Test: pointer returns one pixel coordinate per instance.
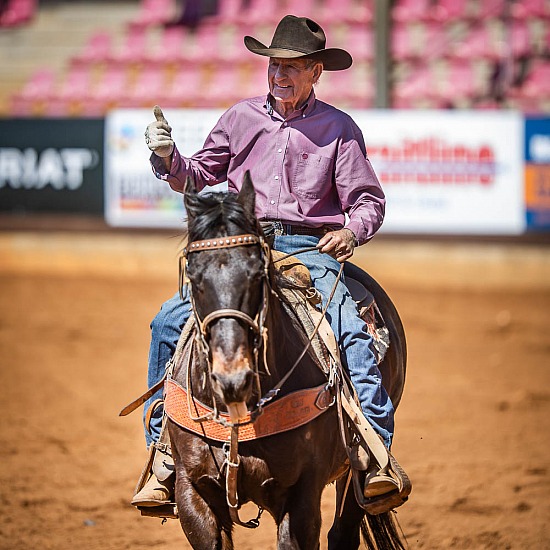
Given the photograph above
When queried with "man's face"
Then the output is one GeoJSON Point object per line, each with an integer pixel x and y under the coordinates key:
{"type": "Point", "coordinates": [291, 80]}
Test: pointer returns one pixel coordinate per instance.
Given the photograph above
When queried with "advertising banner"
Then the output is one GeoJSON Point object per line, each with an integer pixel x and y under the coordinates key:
{"type": "Point", "coordinates": [443, 172]}
{"type": "Point", "coordinates": [537, 173]}
{"type": "Point", "coordinates": [134, 197]}
{"type": "Point", "coordinates": [448, 172]}
{"type": "Point", "coordinates": [51, 165]}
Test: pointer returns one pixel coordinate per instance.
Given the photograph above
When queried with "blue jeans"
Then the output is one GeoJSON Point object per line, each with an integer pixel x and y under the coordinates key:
{"type": "Point", "coordinates": [356, 345]}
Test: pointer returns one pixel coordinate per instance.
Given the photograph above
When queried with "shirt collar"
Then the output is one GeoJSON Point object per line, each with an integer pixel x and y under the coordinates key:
{"type": "Point", "coordinates": [305, 110]}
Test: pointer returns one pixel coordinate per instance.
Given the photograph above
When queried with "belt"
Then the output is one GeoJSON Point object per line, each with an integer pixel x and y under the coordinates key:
{"type": "Point", "coordinates": [277, 227]}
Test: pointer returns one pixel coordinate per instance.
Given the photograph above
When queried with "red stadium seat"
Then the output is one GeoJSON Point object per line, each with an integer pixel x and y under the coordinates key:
{"type": "Point", "coordinates": [360, 41]}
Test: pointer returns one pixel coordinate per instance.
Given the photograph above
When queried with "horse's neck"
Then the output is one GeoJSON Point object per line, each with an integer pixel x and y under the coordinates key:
{"type": "Point", "coordinates": [286, 344]}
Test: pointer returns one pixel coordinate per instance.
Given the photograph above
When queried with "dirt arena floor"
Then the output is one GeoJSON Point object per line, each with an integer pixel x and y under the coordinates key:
{"type": "Point", "coordinates": [472, 429]}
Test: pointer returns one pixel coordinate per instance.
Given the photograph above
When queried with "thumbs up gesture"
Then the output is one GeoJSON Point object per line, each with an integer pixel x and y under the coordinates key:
{"type": "Point", "coordinates": [158, 135]}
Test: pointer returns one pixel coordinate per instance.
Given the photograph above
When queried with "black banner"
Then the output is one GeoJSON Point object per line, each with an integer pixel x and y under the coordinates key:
{"type": "Point", "coordinates": [51, 165]}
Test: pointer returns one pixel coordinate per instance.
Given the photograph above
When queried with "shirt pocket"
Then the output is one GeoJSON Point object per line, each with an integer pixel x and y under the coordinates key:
{"type": "Point", "coordinates": [312, 175]}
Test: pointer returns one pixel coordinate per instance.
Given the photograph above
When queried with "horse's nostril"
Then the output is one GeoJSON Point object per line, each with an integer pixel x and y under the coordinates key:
{"type": "Point", "coordinates": [235, 386]}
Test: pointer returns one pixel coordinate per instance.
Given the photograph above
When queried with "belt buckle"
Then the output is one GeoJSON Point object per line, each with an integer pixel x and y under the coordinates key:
{"type": "Point", "coordinates": [278, 228]}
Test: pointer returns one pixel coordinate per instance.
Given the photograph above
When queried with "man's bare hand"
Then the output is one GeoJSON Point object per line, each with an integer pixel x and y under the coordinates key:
{"type": "Point", "coordinates": [158, 135]}
{"type": "Point", "coordinates": [339, 244]}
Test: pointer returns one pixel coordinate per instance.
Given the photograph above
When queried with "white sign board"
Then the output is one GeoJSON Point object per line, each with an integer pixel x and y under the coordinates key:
{"type": "Point", "coordinates": [443, 172]}
{"type": "Point", "coordinates": [134, 197]}
{"type": "Point", "coordinates": [450, 172]}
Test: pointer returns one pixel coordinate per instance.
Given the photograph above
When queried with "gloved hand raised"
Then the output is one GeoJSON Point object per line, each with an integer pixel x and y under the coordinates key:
{"type": "Point", "coordinates": [158, 135]}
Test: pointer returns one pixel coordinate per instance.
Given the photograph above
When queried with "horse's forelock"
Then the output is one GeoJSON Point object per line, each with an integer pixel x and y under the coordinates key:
{"type": "Point", "coordinates": [217, 213]}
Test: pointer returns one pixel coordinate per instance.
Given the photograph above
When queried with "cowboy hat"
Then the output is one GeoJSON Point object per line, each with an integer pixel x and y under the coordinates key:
{"type": "Point", "coordinates": [297, 37]}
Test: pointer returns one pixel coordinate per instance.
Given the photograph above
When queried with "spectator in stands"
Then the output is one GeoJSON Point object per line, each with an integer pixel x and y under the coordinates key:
{"type": "Point", "coordinates": [309, 167]}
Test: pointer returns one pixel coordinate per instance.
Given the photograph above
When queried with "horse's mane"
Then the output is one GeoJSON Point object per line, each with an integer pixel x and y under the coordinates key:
{"type": "Point", "coordinates": [216, 214]}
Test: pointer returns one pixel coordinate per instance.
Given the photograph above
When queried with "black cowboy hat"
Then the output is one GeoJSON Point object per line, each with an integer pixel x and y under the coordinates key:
{"type": "Point", "coordinates": [300, 37]}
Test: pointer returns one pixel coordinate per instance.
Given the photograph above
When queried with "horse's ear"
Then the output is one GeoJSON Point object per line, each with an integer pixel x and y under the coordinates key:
{"type": "Point", "coordinates": [247, 195]}
{"type": "Point", "coordinates": [189, 192]}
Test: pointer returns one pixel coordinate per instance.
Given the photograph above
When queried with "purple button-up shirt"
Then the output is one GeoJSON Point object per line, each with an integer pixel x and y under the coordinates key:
{"type": "Point", "coordinates": [308, 169]}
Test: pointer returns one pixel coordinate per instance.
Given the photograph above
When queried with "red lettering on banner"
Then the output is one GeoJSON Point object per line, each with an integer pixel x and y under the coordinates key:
{"type": "Point", "coordinates": [433, 161]}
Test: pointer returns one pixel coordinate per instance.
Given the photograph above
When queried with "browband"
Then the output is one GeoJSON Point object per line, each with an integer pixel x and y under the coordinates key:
{"type": "Point", "coordinates": [221, 242]}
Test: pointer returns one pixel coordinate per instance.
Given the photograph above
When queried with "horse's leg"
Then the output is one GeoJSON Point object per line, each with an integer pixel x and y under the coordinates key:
{"type": "Point", "coordinates": [345, 533]}
{"type": "Point", "coordinates": [206, 526]}
{"type": "Point", "coordinates": [299, 526]}
{"type": "Point", "coordinates": [199, 523]}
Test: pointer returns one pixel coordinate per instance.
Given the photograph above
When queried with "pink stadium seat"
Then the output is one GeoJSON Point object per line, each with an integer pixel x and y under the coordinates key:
{"type": "Point", "coordinates": [72, 93]}
{"type": "Point", "coordinates": [261, 11]}
{"type": "Point", "coordinates": [205, 44]}
{"type": "Point", "coordinates": [520, 39]}
{"type": "Point", "coordinates": [478, 44]}
{"type": "Point", "coordinates": [449, 10]}
{"type": "Point", "coordinates": [227, 85]}
{"type": "Point", "coordinates": [34, 94]}
{"type": "Point", "coordinates": [531, 8]}
{"type": "Point", "coordinates": [536, 84]}
{"type": "Point", "coordinates": [106, 93]}
{"type": "Point", "coordinates": [133, 49]}
{"type": "Point", "coordinates": [353, 89]}
{"type": "Point", "coordinates": [146, 88]}
{"type": "Point", "coordinates": [360, 41]}
{"type": "Point", "coordinates": [435, 43]}
{"type": "Point", "coordinates": [184, 90]}
{"type": "Point", "coordinates": [170, 47]}
{"type": "Point", "coordinates": [154, 12]}
{"type": "Point", "coordinates": [18, 12]}
{"type": "Point", "coordinates": [401, 45]}
{"type": "Point", "coordinates": [348, 11]}
{"type": "Point", "coordinates": [228, 11]}
{"type": "Point", "coordinates": [96, 50]}
{"type": "Point", "coordinates": [419, 85]}
{"type": "Point", "coordinates": [407, 11]}
{"type": "Point", "coordinates": [490, 8]}
{"type": "Point", "coordinates": [459, 83]}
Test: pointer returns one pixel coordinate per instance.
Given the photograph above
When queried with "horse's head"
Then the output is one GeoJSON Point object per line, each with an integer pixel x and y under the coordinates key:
{"type": "Point", "coordinates": [226, 267]}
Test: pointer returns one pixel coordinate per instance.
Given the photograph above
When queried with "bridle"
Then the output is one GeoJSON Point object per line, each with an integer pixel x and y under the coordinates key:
{"type": "Point", "coordinates": [256, 324]}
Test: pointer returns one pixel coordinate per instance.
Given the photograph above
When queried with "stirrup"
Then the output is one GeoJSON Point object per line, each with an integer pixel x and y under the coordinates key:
{"type": "Point", "coordinates": [387, 501]}
{"type": "Point", "coordinates": [158, 468]}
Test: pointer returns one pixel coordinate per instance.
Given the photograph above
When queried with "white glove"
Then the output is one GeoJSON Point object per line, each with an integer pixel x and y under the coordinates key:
{"type": "Point", "coordinates": [158, 135]}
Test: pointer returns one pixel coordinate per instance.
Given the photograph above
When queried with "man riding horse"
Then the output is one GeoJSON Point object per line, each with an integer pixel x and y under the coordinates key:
{"type": "Point", "coordinates": [310, 170]}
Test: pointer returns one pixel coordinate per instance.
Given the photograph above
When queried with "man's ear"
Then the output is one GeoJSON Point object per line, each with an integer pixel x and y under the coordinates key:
{"type": "Point", "coordinates": [247, 195]}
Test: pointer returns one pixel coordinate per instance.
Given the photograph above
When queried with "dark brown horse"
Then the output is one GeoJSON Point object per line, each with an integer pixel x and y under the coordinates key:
{"type": "Point", "coordinates": [233, 366]}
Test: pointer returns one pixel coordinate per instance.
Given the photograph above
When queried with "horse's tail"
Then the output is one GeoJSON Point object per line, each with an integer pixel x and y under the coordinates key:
{"type": "Point", "coordinates": [382, 532]}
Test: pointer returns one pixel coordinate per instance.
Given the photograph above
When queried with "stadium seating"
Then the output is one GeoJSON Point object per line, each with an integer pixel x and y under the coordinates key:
{"type": "Point", "coordinates": [445, 53]}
